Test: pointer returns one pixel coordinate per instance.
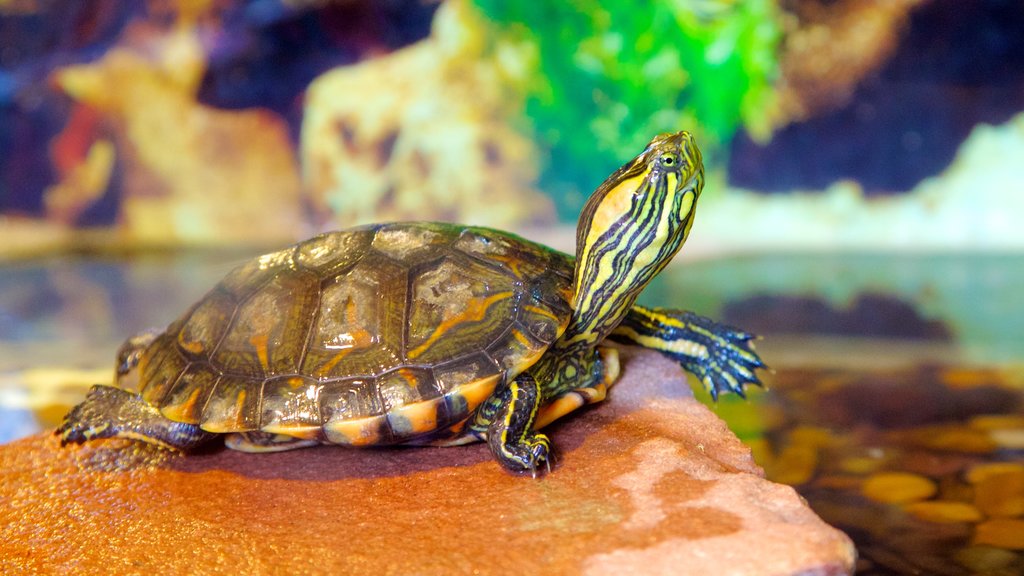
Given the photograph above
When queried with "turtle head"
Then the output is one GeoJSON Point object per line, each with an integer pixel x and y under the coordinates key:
{"type": "Point", "coordinates": [630, 228]}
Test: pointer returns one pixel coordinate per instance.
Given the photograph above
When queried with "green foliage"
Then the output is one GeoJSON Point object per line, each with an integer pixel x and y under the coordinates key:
{"type": "Point", "coordinates": [611, 74]}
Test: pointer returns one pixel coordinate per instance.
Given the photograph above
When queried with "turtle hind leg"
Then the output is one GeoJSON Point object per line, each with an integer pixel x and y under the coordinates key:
{"type": "Point", "coordinates": [510, 434]}
{"type": "Point", "coordinates": [109, 412]}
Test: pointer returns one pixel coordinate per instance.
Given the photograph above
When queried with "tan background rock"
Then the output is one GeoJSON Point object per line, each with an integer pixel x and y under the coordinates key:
{"type": "Point", "coordinates": [650, 482]}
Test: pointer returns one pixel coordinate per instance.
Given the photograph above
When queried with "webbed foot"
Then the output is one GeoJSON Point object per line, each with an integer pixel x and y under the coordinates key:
{"type": "Point", "coordinates": [720, 356]}
{"type": "Point", "coordinates": [109, 412]}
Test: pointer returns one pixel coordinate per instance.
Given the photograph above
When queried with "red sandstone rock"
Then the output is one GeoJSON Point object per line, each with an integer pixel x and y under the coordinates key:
{"type": "Point", "coordinates": [650, 482]}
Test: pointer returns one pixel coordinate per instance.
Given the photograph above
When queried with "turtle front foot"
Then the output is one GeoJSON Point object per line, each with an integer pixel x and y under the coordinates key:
{"type": "Point", "coordinates": [530, 454]}
{"type": "Point", "coordinates": [720, 356]}
{"type": "Point", "coordinates": [510, 435]}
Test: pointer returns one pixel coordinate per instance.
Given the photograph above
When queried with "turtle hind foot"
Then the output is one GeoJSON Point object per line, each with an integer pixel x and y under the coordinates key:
{"type": "Point", "coordinates": [109, 412]}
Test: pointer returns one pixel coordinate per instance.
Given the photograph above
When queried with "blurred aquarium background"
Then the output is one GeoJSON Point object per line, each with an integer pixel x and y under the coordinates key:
{"type": "Point", "coordinates": [863, 210]}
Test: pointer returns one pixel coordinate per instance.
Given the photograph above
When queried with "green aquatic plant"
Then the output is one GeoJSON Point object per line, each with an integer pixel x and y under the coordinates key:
{"type": "Point", "coordinates": [609, 74]}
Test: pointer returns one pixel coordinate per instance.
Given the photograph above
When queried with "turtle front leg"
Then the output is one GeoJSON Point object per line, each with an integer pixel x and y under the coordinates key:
{"type": "Point", "coordinates": [109, 412]}
{"type": "Point", "coordinates": [720, 356]}
{"type": "Point", "coordinates": [510, 434]}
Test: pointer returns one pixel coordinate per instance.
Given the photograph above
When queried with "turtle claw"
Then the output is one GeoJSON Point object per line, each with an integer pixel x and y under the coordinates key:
{"type": "Point", "coordinates": [730, 365]}
{"type": "Point", "coordinates": [548, 462]}
{"type": "Point", "coordinates": [510, 434]}
{"type": "Point", "coordinates": [531, 454]}
{"type": "Point", "coordinates": [541, 452]}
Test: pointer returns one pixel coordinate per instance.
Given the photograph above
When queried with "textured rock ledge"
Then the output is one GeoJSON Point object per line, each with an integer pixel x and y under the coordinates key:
{"type": "Point", "coordinates": [650, 482]}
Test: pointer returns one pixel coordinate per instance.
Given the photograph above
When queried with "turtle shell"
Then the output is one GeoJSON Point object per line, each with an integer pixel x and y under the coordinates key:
{"type": "Point", "coordinates": [374, 335]}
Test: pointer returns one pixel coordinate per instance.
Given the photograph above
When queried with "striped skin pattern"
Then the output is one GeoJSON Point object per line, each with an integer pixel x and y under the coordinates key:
{"type": "Point", "coordinates": [629, 230]}
{"type": "Point", "coordinates": [425, 333]}
{"type": "Point", "coordinates": [510, 434]}
{"type": "Point", "coordinates": [720, 356]}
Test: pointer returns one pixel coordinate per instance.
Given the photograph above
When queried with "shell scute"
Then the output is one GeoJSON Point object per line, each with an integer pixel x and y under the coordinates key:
{"type": "Point", "coordinates": [349, 400]}
{"type": "Point", "coordinates": [334, 253]}
{"type": "Point", "coordinates": [358, 331]}
{"type": "Point", "coordinates": [209, 320]}
{"type": "Point", "coordinates": [521, 258]}
{"type": "Point", "coordinates": [462, 401]}
{"type": "Point", "coordinates": [290, 403]}
{"type": "Point", "coordinates": [234, 406]}
{"type": "Point", "coordinates": [516, 349]}
{"type": "Point", "coordinates": [405, 243]}
{"type": "Point", "coordinates": [186, 400]}
{"type": "Point", "coordinates": [357, 432]}
{"type": "Point", "coordinates": [249, 276]}
{"type": "Point", "coordinates": [267, 335]}
{"type": "Point", "coordinates": [457, 304]}
{"type": "Point", "coordinates": [414, 420]}
{"type": "Point", "coordinates": [461, 371]}
{"type": "Point", "coordinates": [352, 412]}
{"type": "Point", "coordinates": [160, 367]}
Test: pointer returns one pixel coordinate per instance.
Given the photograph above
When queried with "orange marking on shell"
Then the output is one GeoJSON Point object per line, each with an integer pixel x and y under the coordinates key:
{"type": "Point", "coordinates": [475, 311]}
{"type": "Point", "coordinates": [522, 339]}
{"type": "Point", "coordinates": [421, 415]}
{"type": "Point", "coordinates": [193, 346]}
{"type": "Point", "coordinates": [180, 412]}
{"type": "Point", "coordinates": [567, 293]}
{"type": "Point", "coordinates": [259, 342]}
{"type": "Point", "coordinates": [476, 392]}
{"type": "Point", "coordinates": [541, 312]}
{"type": "Point", "coordinates": [510, 261]}
{"type": "Point", "coordinates": [458, 428]}
{"type": "Point", "coordinates": [361, 338]}
{"type": "Point", "coordinates": [409, 376]}
{"type": "Point", "coordinates": [326, 368]}
{"type": "Point", "coordinates": [356, 432]}
{"type": "Point", "coordinates": [240, 405]}
{"type": "Point", "coordinates": [304, 432]}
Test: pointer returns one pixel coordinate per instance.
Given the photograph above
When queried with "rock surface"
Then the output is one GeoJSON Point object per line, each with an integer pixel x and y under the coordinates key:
{"type": "Point", "coordinates": [650, 482]}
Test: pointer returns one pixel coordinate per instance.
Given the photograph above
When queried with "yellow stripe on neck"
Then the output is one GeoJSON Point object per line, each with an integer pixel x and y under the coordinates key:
{"type": "Point", "coordinates": [614, 206]}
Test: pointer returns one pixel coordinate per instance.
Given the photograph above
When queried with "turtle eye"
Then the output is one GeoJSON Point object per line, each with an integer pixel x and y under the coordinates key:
{"type": "Point", "coordinates": [669, 160]}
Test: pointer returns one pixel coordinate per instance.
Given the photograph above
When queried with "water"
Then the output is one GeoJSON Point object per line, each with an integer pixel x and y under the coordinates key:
{"type": "Point", "coordinates": [904, 373]}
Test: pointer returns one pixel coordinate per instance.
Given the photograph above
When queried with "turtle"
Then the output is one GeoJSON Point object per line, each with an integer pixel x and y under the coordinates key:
{"type": "Point", "coordinates": [425, 333]}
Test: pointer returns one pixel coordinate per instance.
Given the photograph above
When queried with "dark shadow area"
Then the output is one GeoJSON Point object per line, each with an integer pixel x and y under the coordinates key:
{"type": "Point", "coordinates": [331, 463]}
{"type": "Point", "coordinates": [869, 315]}
{"type": "Point", "coordinates": [958, 64]}
{"type": "Point", "coordinates": [910, 398]}
{"type": "Point", "coordinates": [267, 53]}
